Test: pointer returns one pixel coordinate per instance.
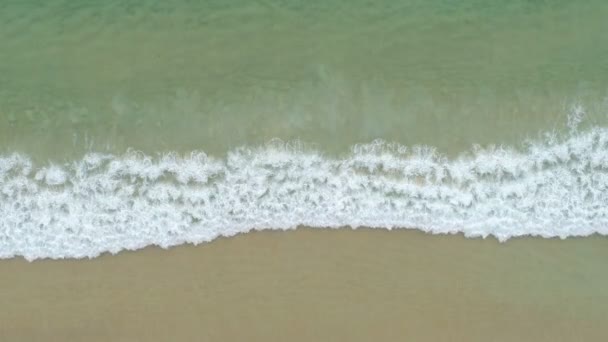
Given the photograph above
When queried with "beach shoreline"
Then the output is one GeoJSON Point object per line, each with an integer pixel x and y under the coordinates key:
{"type": "Point", "coordinates": [316, 284]}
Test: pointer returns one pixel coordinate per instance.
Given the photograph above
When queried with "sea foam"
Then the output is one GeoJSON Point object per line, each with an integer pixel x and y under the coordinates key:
{"type": "Point", "coordinates": [553, 187]}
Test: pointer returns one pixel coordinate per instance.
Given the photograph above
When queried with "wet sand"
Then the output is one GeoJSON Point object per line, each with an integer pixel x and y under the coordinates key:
{"type": "Point", "coordinates": [316, 285]}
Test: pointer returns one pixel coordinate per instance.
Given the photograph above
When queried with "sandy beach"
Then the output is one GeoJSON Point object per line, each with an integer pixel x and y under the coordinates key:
{"type": "Point", "coordinates": [316, 285]}
{"type": "Point", "coordinates": [126, 124]}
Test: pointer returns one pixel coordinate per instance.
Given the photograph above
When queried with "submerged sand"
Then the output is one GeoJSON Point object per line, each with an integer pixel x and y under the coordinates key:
{"type": "Point", "coordinates": [316, 285]}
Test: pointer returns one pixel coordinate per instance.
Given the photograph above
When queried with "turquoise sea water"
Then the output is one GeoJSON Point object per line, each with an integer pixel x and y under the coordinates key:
{"type": "Point", "coordinates": [86, 85]}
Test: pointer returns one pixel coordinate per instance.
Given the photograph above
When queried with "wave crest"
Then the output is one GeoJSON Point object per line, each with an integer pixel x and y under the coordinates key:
{"type": "Point", "coordinates": [557, 187]}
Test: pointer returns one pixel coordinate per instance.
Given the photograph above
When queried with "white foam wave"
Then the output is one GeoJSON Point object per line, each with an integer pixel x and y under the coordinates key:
{"type": "Point", "coordinates": [557, 187]}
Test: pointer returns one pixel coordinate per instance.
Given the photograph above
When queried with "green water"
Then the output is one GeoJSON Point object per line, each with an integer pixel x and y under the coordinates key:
{"type": "Point", "coordinates": [213, 75]}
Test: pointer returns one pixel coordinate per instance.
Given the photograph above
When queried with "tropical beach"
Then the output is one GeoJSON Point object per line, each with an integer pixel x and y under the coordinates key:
{"type": "Point", "coordinates": [311, 284]}
{"type": "Point", "coordinates": [288, 170]}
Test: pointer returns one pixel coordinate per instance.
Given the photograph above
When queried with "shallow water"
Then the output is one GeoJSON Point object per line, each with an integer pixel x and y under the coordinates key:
{"type": "Point", "coordinates": [183, 75]}
{"type": "Point", "coordinates": [177, 76]}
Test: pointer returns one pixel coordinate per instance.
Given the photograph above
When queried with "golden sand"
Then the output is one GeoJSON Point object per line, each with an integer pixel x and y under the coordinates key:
{"type": "Point", "coordinates": [316, 285]}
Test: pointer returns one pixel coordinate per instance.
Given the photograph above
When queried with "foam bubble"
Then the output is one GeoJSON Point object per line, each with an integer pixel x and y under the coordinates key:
{"type": "Point", "coordinates": [556, 187]}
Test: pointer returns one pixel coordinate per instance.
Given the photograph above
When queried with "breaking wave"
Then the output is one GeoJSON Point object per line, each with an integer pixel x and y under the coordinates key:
{"type": "Point", "coordinates": [556, 186]}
